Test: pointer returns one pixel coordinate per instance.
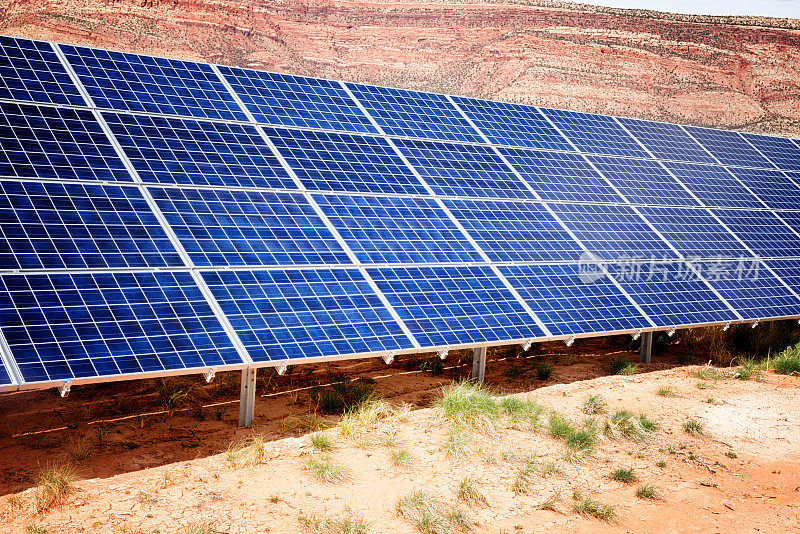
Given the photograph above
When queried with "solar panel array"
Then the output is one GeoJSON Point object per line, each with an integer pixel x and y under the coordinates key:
{"type": "Point", "coordinates": [165, 216]}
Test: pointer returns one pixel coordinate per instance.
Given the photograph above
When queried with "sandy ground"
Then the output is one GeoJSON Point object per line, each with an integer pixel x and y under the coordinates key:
{"type": "Point", "coordinates": [161, 472]}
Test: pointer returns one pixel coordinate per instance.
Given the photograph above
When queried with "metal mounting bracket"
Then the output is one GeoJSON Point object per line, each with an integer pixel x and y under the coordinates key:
{"type": "Point", "coordinates": [64, 388]}
{"type": "Point", "coordinates": [728, 325]}
{"type": "Point", "coordinates": [443, 353]}
{"type": "Point", "coordinates": [388, 358]}
{"type": "Point", "coordinates": [281, 368]}
{"type": "Point", "coordinates": [526, 345]}
{"type": "Point", "coordinates": [570, 340]}
{"type": "Point", "coordinates": [671, 332]}
{"type": "Point", "coordinates": [210, 374]}
{"type": "Point", "coordinates": [637, 335]}
{"type": "Point", "coordinates": [755, 323]}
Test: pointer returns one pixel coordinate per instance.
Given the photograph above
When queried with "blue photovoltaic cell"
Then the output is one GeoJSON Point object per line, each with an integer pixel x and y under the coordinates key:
{"type": "Point", "coordinates": [782, 152]}
{"type": "Point", "coordinates": [294, 314]}
{"type": "Point", "coordinates": [792, 218]}
{"type": "Point", "coordinates": [463, 170]}
{"type": "Point", "coordinates": [612, 232]}
{"type": "Point", "coordinates": [667, 141]}
{"type": "Point", "coordinates": [397, 230]}
{"type": "Point", "coordinates": [714, 185]}
{"type": "Point", "coordinates": [414, 114]}
{"type": "Point", "coordinates": [515, 231]}
{"type": "Point", "coordinates": [444, 306]}
{"type": "Point", "coordinates": [754, 292]}
{"type": "Point", "coordinates": [54, 226]}
{"type": "Point", "coordinates": [130, 82]}
{"type": "Point", "coordinates": [570, 302]}
{"type": "Point", "coordinates": [788, 271]}
{"type": "Point", "coordinates": [595, 134]}
{"type": "Point", "coordinates": [730, 148]}
{"type": "Point", "coordinates": [559, 176]}
{"type": "Point", "coordinates": [643, 181]}
{"type": "Point", "coordinates": [70, 326]}
{"type": "Point", "coordinates": [671, 294]}
{"type": "Point", "coordinates": [773, 187]}
{"type": "Point", "coordinates": [5, 378]}
{"type": "Point", "coordinates": [223, 228]}
{"type": "Point", "coordinates": [30, 70]}
{"type": "Point", "coordinates": [286, 100]}
{"type": "Point", "coordinates": [186, 151]}
{"type": "Point", "coordinates": [512, 124]}
{"type": "Point", "coordinates": [341, 162]}
{"type": "Point", "coordinates": [762, 232]}
{"type": "Point", "coordinates": [694, 232]}
{"type": "Point", "coordinates": [45, 142]}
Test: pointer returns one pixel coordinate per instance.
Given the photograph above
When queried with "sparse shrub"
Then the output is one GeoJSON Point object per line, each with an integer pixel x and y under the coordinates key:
{"type": "Point", "coordinates": [35, 529]}
{"type": "Point", "coordinates": [617, 364]}
{"type": "Point", "coordinates": [199, 528]}
{"type": "Point", "coordinates": [469, 492]}
{"type": "Point", "coordinates": [511, 455]}
{"type": "Point", "coordinates": [550, 502]}
{"type": "Point", "coordinates": [703, 385]}
{"type": "Point", "coordinates": [342, 396]}
{"type": "Point", "coordinates": [788, 361]}
{"type": "Point", "coordinates": [401, 458]}
{"type": "Point", "coordinates": [310, 422]}
{"type": "Point", "coordinates": [356, 424]}
{"type": "Point", "coordinates": [324, 469]}
{"type": "Point", "coordinates": [513, 372]}
{"type": "Point", "coordinates": [624, 475]}
{"type": "Point", "coordinates": [694, 427]}
{"type": "Point", "coordinates": [519, 410]}
{"type": "Point", "coordinates": [251, 451]}
{"type": "Point", "coordinates": [559, 426]}
{"type": "Point", "coordinates": [321, 442]}
{"type": "Point", "coordinates": [589, 507]}
{"type": "Point", "coordinates": [661, 463]}
{"type": "Point", "coordinates": [469, 406]}
{"type": "Point", "coordinates": [648, 491]}
{"type": "Point", "coordinates": [525, 476]}
{"type": "Point", "coordinates": [330, 525]}
{"type": "Point", "coordinates": [667, 391]}
{"type": "Point", "coordinates": [52, 485]}
{"type": "Point", "coordinates": [430, 515]}
{"type": "Point", "coordinates": [542, 370]}
{"type": "Point", "coordinates": [433, 366]}
{"type": "Point", "coordinates": [145, 498]}
{"type": "Point", "coordinates": [629, 370]}
{"type": "Point", "coordinates": [750, 369]}
{"type": "Point", "coordinates": [458, 442]}
{"type": "Point", "coordinates": [551, 469]}
{"type": "Point", "coordinates": [731, 454]}
{"type": "Point", "coordinates": [80, 448]}
{"type": "Point", "coordinates": [594, 404]}
{"type": "Point", "coordinates": [581, 440]}
{"type": "Point", "coordinates": [708, 372]}
{"type": "Point", "coordinates": [629, 426]}
{"type": "Point", "coordinates": [712, 400]}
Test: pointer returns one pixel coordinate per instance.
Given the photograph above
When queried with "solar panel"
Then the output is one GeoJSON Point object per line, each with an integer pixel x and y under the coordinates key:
{"type": "Point", "coordinates": [414, 114]}
{"type": "Point", "coordinates": [569, 301]}
{"type": "Point", "coordinates": [666, 141]}
{"type": "Point", "coordinates": [71, 326]}
{"type": "Point", "coordinates": [730, 148]}
{"type": "Point", "coordinates": [792, 218]}
{"type": "Point", "coordinates": [752, 290]}
{"type": "Point", "coordinates": [185, 151]}
{"type": "Point", "coordinates": [693, 232]}
{"type": "Point", "coordinates": [130, 82]}
{"type": "Point", "coordinates": [612, 232]}
{"type": "Point", "coordinates": [512, 124]}
{"type": "Point", "coordinates": [773, 187]}
{"type": "Point", "coordinates": [31, 71]}
{"type": "Point", "coordinates": [299, 314]}
{"type": "Point", "coordinates": [225, 228]}
{"type": "Point", "coordinates": [762, 232]}
{"type": "Point", "coordinates": [671, 294]}
{"type": "Point", "coordinates": [444, 306]}
{"type": "Point", "coordinates": [54, 226]}
{"type": "Point", "coordinates": [397, 230]}
{"type": "Point", "coordinates": [286, 100]}
{"type": "Point", "coordinates": [559, 176]}
{"type": "Point", "coordinates": [342, 162]}
{"type": "Point", "coordinates": [643, 181]}
{"type": "Point", "coordinates": [61, 143]}
{"type": "Point", "coordinates": [515, 231]}
{"type": "Point", "coordinates": [595, 134]}
{"type": "Point", "coordinates": [782, 152]}
{"type": "Point", "coordinates": [788, 270]}
{"type": "Point", "coordinates": [714, 185]}
{"type": "Point", "coordinates": [463, 170]}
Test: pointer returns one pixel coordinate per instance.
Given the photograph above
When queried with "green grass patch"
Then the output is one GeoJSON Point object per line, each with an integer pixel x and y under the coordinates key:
{"type": "Point", "coordinates": [788, 361]}
{"type": "Point", "coordinates": [648, 491]}
{"type": "Point", "coordinates": [430, 515]}
{"type": "Point", "coordinates": [624, 475]}
{"type": "Point", "coordinates": [325, 470]}
{"type": "Point", "coordinates": [559, 426]}
{"type": "Point", "coordinates": [469, 406]}
{"type": "Point", "coordinates": [709, 372]}
{"type": "Point", "coordinates": [321, 442]}
{"type": "Point", "coordinates": [525, 476]}
{"type": "Point", "coordinates": [667, 391]}
{"type": "Point", "coordinates": [625, 424]}
{"type": "Point", "coordinates": [469, 492]}
{"type": "Point", "coordinates": [400, 458]}
{"type": "Point", "coordinates": [587, 506]}
{"type": "Point", "coordinates": [594, 405]}
{"type": "Point", "coordinates": [694, 427]}
{"type": "Point", "coordinates": [330, 525]}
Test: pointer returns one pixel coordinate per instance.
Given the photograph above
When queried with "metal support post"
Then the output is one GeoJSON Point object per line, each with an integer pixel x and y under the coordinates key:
{"type": "Point", "coordinates": [478, 365]}
{"type": "Point", "coordinates": [247, 396]}
{"type": "Point", "coordinates": [646, 348]}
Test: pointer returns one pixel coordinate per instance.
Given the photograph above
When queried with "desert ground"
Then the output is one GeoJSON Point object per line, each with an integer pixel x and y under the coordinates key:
{"type": "Point", "coordinates": [169, 457]}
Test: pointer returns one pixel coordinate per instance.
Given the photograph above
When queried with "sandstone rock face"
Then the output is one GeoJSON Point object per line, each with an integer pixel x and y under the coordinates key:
{"type": "Point", "coordinates": [733, 72]}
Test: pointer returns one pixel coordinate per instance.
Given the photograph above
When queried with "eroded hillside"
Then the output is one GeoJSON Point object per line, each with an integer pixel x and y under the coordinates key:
{"type": "Point", "coordinates": [739, 73]}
